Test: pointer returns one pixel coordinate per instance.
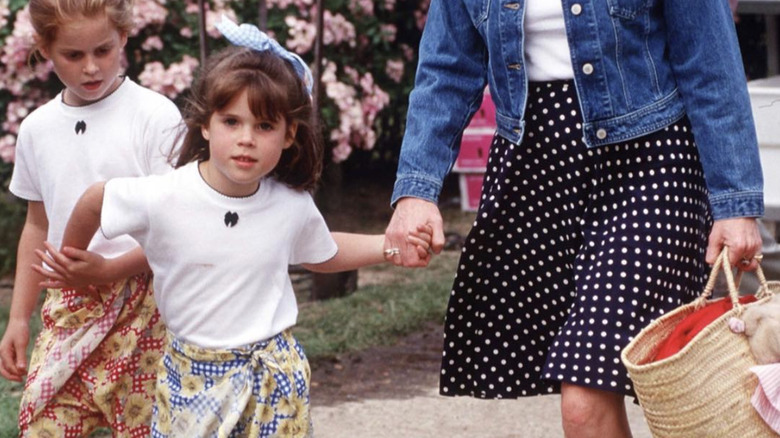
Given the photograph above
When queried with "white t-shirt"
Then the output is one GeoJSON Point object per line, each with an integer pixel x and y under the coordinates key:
{"type": "Point", "coordinates": [61, 150]}
{"type": "Point", "coordinates": [220, 264]}
{"type": "Point", "coordinates": [546, 47]}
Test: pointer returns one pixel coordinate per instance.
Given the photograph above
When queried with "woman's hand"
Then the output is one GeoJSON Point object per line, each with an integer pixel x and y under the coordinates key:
{"type": "Point", "coordinates": [742, 237]}
{"type": "Point", "coordinates": [413, 215]}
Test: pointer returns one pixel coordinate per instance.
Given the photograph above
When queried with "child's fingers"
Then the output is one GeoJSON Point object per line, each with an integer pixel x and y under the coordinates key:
{"type": "Point", "coordinates": [421, 245]}
{"type": "Point", "coordinates": [423, 252]}
{"type": "Point", "coordinates": [59, 257]}
{"type": "Point", "coordinates": [423, 231]}
{"type": "Point", "coordinates": [50, 262]}
{"type": "Point", "coordinates": [8, 365]}
{"type": "Point", "coordinates": [52, 284]}
{"type": "Point", "coordinates": [50, 275]}
{"type": "Point", "coordinates": [425, 228]}
{"type": "Point", "coordinates": [425, 237]}
{"type": "Point", "coordinates": [419, 242]}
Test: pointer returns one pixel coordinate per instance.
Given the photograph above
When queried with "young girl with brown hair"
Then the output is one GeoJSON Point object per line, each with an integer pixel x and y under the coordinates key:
{"type": "Point", "coordinates": [220, 233]}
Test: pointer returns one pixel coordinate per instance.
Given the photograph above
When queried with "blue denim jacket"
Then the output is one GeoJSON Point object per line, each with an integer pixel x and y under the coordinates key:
{"type": "Point", "coordinates": [639, 66]}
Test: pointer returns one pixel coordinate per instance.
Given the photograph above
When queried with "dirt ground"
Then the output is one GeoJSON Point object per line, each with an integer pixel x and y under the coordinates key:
{"type": "Point", "coordinates": [389, 372]}
{"type": "Point", "coordinates": [391, 392]}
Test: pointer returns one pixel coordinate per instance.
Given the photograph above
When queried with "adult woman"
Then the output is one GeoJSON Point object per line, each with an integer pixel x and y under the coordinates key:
{"type": "Point", "coordinates": [595, 214]}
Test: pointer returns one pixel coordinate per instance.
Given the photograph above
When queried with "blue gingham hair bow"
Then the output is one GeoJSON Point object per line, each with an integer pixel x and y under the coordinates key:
{"type": "Point", "coordinates": [247, 35]}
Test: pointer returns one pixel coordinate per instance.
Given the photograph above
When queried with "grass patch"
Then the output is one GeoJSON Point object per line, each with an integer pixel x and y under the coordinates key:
{"type": "Point", "coordinates": [10, 393]}
{"type": "Point", "coordinates": [375, 315]}
{"type": "Point", "coordinates": [390, 302]}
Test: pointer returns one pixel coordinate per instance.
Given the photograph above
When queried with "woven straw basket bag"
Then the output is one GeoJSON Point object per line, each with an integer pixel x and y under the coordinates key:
{"type": "Point", "coordinates": [704, 390]}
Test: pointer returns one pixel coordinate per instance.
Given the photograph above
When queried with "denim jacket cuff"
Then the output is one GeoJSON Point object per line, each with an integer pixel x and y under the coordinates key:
{"type": "Point", "coordinates": [415, 186]}
{"type": "Point", "coordinates": [738, 204]}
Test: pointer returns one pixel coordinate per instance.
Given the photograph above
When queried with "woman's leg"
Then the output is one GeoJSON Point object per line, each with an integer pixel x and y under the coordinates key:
{"type": "Point", "coordinates": [593, 413]}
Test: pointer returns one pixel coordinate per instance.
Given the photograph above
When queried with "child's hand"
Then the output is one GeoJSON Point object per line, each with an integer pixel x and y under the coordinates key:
{"type": "Point", "coordinates": [72, 268]}
{"type": "Point", "coordinates": [13, 350]}
{"type": "Point", "coordinates": [421, 239]}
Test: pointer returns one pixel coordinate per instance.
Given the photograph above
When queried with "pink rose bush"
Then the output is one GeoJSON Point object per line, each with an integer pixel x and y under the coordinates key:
{"type": "Point", "coordinates": [369, 50]}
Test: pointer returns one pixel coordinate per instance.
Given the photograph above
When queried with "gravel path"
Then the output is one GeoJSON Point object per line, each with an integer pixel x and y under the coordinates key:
{"type": "Point", "coordinates": [392, 392]}
{"type": "Point", "coordinates": [429, 415]}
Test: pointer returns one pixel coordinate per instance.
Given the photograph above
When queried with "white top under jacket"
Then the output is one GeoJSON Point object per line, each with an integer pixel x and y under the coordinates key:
{"type": "Point", "coordinates": [546, 48]}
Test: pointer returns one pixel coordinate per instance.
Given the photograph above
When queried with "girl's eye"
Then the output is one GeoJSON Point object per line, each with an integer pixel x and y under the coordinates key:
{"type": "Point", "coordinates": [73, 55]}
{"type": "Point", "coordinates": [230, 121]}
{"type": "Point", "coordinates": [102, 51]}
{"type": "Point", "coordinates": [266, 126]}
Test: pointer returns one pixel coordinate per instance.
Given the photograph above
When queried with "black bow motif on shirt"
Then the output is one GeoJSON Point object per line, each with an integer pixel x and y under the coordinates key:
{"type": "Point", "coordinates": [231, 219]}
{"type": "Point", "coordinates": [81, 127]}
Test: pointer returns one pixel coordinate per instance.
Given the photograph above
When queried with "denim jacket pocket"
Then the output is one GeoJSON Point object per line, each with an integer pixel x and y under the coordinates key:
{"type": "Point", "coordinates": [628, 9]}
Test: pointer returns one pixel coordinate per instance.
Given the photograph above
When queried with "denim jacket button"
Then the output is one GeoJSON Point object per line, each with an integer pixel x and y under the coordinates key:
{"type": "Point", "coordinates": [513, 6]}
{"type": "Point", "coordinates": [517, 130]}
{"type": "Point", "coordinates": [515, 66]}
{"type": "Point", "coordinates": [576, 9]}
{"type": "Point", "coordinates": [587, 68]}
{"type": "Point", "coordinates": [601, 134]}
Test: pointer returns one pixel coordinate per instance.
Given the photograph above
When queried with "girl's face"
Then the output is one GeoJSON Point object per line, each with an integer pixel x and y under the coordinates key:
{"type": "Point", "coordinates": [86, 53]}
{"type": "Point", "coordinates": [243, 148]}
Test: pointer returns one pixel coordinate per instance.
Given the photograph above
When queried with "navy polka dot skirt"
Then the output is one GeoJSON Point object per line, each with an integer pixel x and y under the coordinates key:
{"type": "Point", "coordinates": [573, 252]}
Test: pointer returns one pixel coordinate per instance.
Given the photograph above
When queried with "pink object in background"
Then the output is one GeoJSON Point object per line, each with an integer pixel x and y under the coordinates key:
{"type": "Point", "coordinates": [474, 149]}
{"type": "Point", "coordinates": [470, 190]}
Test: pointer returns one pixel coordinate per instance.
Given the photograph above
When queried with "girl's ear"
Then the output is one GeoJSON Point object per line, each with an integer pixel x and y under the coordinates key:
{"type": "Point", "coordinates": [292, 130]}
{"type": "Point", "coordinates": [122, 39]}
{"type": "Point", "coordinates": [40, 46]}
{"type": "Point", "coordinates": [204, 131]}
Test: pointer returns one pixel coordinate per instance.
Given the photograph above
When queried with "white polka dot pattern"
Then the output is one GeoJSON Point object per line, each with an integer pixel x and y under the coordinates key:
{"type": "Point", "coordinates": [573, 251]}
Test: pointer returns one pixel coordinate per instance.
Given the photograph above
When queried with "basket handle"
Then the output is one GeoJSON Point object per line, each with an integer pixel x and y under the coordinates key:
{"type": "Point", "coordinates": [722, 264]}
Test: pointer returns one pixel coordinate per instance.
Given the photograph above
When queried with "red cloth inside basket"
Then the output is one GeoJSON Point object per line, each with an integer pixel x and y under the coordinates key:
{"type": "Point", "coordinates": [692, 324]}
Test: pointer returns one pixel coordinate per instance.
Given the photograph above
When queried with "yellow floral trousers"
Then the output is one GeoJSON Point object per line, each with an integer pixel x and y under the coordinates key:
{"type": "Point", "coordinates": [261, 390]}
{"type": "Point", "coordinates": [94, 363]}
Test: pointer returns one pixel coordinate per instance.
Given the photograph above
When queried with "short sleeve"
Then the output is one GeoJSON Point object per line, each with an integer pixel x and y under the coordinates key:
{"type": "Point", "coordinates": [25, 183]}
{"type": "Point", "coordinates": [126, 208]}
{"type": "Point", "coordinates": [162, 138]}
{"type": "Point", "coordinates": [314, 243]}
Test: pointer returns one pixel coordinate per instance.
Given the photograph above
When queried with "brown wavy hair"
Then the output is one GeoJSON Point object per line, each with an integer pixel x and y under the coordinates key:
{"type": "Point", "coordinates": [46, 16]}
{"type": "Point", "coordinates": [275, 92]}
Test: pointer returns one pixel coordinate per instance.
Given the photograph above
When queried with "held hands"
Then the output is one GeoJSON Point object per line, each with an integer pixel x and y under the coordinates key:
{"type": "Point", "coordinates": [414, 221]}
{"type": "Point", "coordinates": [71, 267]}
{"type": "Point", "coordinates": [420, 239]}
{"type": "Point", "coordinates": [742, 237]}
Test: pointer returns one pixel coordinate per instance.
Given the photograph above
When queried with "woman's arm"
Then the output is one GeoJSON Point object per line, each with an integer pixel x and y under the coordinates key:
{"type": "Point", "coordinates": [705, 56]}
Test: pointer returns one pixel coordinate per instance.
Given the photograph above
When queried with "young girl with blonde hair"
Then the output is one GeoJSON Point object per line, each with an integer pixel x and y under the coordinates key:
{"type": "Point", "coordinates": [220, 233]}
{"type": "Point", "coordinates": [93, 363]}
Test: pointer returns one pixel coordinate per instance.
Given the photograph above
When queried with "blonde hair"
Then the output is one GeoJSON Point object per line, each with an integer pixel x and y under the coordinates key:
{"type": "Point", "coordinates": [48, 15]}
